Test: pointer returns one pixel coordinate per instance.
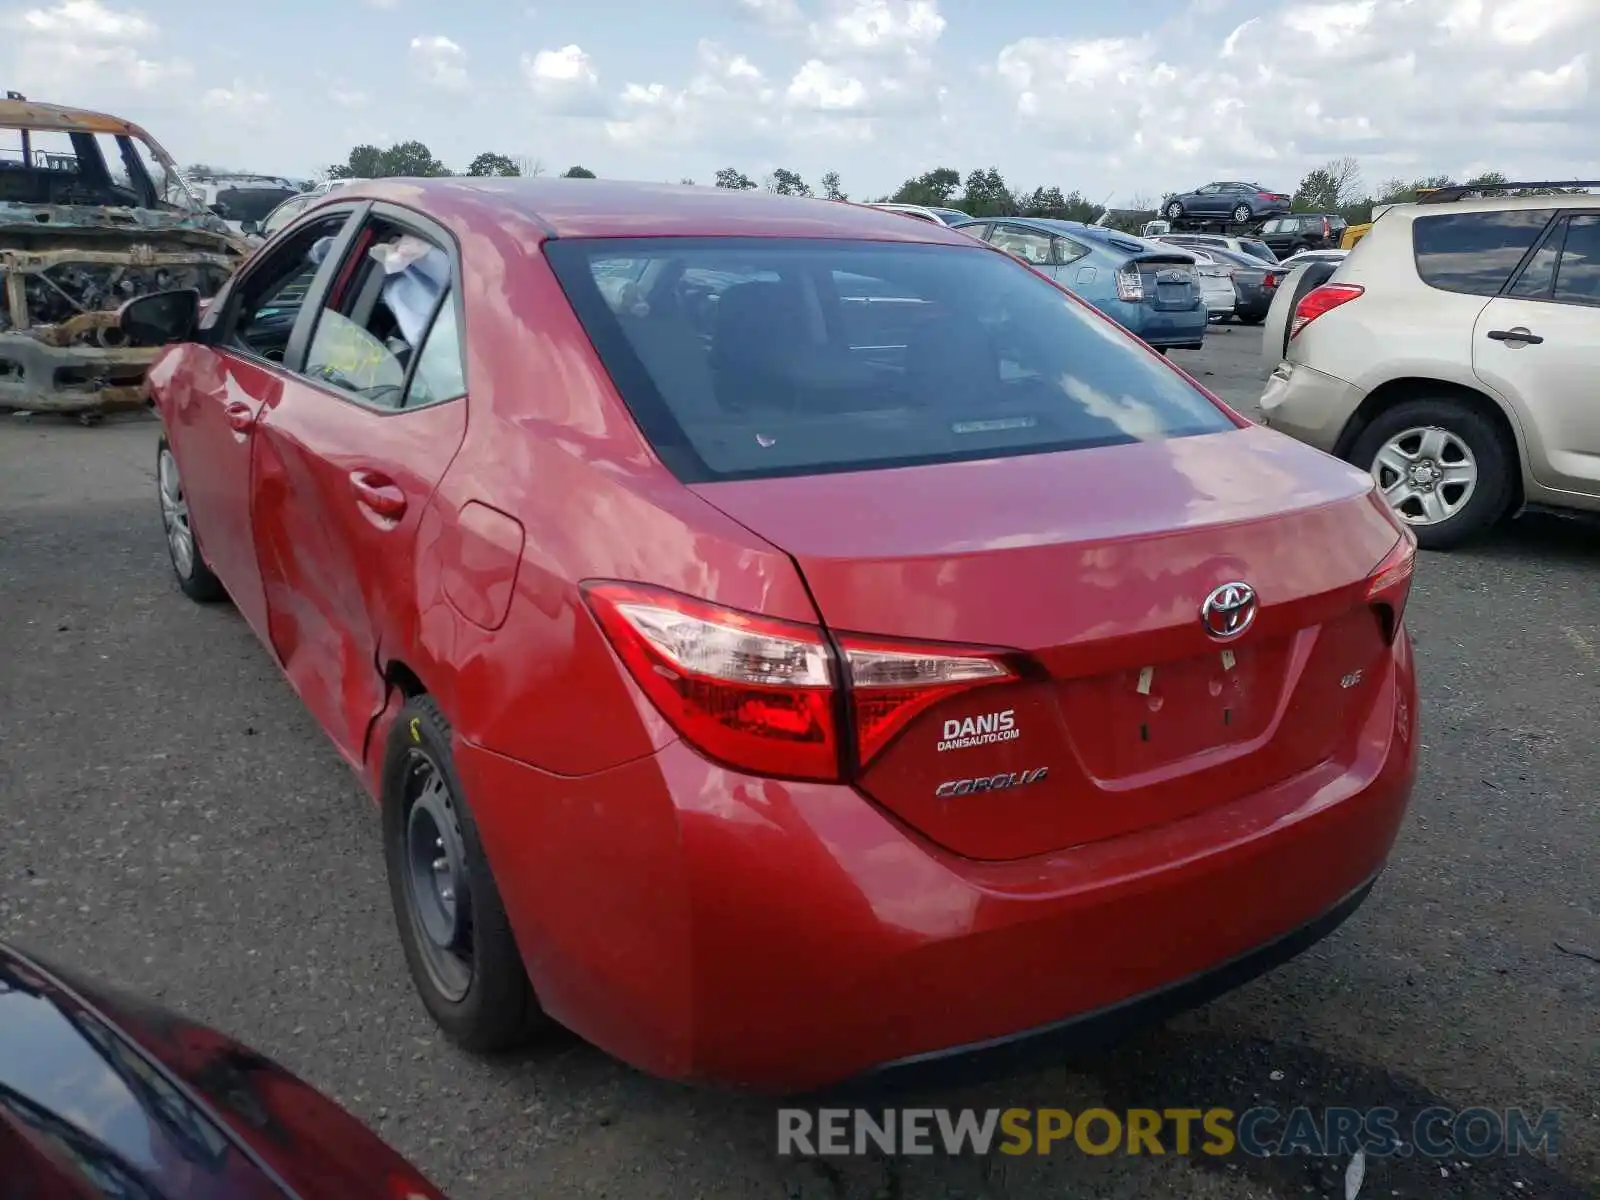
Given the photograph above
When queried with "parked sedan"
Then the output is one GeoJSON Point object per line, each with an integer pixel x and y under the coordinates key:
{"type": "Point", "coordinates": [105, 1095]}
{"type": "Point", "coordinates": [944, 216]}
{"type": "Point", "coordinates": [1216, 284]}
{"type": "Point", "coordinates": [1236, 203]}
{"type": "Point", "coordinates": [1149, 289]}
{"type": "Point", "coordinates": [840, 651]}
{"type": "Point", "coordinates": [1254, 247]}
{"type": "Point", "coordinates": [1255, 283]}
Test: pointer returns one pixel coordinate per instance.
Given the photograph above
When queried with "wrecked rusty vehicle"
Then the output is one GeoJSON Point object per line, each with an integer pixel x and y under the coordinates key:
{"type": "Point", "coordinates": [92, 214]}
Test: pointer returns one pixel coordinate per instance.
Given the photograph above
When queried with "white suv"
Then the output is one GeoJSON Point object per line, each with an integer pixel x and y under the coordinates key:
{"type": "Point", "coordinates": [1454, 354]}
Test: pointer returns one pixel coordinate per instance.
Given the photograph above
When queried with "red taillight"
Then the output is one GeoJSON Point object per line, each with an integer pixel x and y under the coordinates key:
{"type": "Point", "coordinates": [765, 695]}
{"type": "Point", "coordinates": [1321, 300]}
{"type": "Point", "coordinates": [891, 682]}
{"type": "Point", "coordinates": [1389, 586]}
{"type": "Point", "coordinates": [1271, 280]}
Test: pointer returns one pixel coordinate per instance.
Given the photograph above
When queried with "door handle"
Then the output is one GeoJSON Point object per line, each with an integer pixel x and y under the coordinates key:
{"type": "Point", "coordinates": [378, 493]}
{"type": "Point", "coordinates": [240, 416]}
{"type": "Point", "coordinates": [1519, 334]}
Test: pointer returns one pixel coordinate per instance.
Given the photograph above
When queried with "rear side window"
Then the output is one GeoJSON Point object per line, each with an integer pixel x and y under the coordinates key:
{"type": "Point", "coordinates": [1578, 277]}
{"type": "Point", "coordinates": [755, 357]}
{"type": "Point", "coordinates": [1474, 253]}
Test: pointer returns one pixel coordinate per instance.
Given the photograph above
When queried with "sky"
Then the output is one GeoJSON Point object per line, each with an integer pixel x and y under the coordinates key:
{"type": "Point", "coordinates": [1120, 100]}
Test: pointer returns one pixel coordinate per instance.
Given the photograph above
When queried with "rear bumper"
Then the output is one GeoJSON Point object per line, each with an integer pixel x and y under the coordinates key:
{"type": "Point", "coordinates": [1308, 405]}
{"type": "Point", "coordinates": [1094, 1032]}
{"type": "Point", "coordinates": [786, 937]}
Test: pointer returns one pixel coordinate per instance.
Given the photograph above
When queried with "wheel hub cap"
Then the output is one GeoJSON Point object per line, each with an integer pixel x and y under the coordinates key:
{"type": "Point", "coordinates": [438, 876]}
{"type": "Point", "coordinates": [175, 514]}
{"type": "Point", "coordinates": [1427, 474]}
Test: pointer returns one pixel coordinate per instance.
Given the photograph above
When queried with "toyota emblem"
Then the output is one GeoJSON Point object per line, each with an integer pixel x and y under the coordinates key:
{"type": "Point", "coordinates": [1229, 610]}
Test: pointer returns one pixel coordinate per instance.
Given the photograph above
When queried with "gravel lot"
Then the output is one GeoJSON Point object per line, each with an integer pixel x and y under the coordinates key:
{"type": "Point", "coordinates": [170, 819]}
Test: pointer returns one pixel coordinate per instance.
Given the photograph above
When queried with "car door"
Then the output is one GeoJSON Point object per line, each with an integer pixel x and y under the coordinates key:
{"type": "Point", "coordinates": [1538, 344]}
{"type": "Point", "coordinates": [349, 451]}
{"type": "Point", "coordinates": [1203, 200]}
{"type": "Point", "coordinates": [216, 390]}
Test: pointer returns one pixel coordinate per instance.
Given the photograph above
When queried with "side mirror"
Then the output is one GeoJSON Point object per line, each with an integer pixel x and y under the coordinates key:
{"type": "Point", "coordinates": [248, 227]}
{"type": "Point", "coordinates": [161, 318]}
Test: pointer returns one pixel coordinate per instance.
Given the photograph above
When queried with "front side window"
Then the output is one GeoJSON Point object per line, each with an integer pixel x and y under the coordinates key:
{"type": "Point", "coordinates": [1474, 253]}
{"type": "Point", "coordinates": [270, 296]}
{"type": "Point", "coordinates": [1026, 244]}
{"type": "Point", "coordinates": [802, 356]}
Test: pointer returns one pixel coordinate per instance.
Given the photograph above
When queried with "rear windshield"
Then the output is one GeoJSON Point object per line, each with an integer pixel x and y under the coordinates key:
{"type": "Point", "coordinates": [752, 357]}
{"type": "Point", "coordinates": [251, 203]}
{"type": "Point", "coordinates": [1259, 249]}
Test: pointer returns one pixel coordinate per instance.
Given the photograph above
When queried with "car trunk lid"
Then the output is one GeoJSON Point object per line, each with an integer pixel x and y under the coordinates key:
{"type": "Point", "coordinates": [1169, 282]}
{"type": "Point", "coordinates": [1094, 564]}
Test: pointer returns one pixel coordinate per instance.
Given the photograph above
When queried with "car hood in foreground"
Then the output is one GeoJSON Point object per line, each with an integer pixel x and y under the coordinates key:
{"type": "Point", "coordinates": [103, 1094]}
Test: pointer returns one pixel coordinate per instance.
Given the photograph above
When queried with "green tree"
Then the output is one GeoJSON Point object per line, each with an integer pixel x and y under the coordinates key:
{"type": "Point", "coordinates": [686, 182]}
{"type": "Point", "coordinates": [787, 183]}
{"type": "Point", "coordinates": [490, 163]}
{"type": "Point", "coordinates": [831, 189]}
{"type": "Point", "coordinates": [577, 173]}
{"type": "Point", "coordinates": [1049, 202]}
{"type": "Point", "coordinates": [736, 181]}
{"type": "Point", "coordinates": [411, 159]}
{"type": "Point", "coordinates": [985, 194]}
{"type": "Point", "coordinates": [931, 189]}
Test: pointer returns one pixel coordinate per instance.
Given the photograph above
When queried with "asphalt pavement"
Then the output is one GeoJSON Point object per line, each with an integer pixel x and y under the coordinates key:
{"type": "Point", "coordinates": [171, 819]}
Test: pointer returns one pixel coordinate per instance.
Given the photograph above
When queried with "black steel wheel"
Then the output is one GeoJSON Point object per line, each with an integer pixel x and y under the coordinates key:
{"type": "Point", "coordinates": [463, 958]}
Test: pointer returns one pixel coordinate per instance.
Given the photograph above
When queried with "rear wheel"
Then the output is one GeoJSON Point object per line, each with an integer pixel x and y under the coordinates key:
{"type": "Point", "coordinates": [458, 943]}
{"type": "Point", "coordinates": [1443, 467]}
{"type": "Point", "coordinates": [195, 578]}
{"type": "Point", "coordinates": [1241, 214]}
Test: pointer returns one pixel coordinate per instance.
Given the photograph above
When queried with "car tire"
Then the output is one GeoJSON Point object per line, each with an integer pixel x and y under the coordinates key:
{"type": "Point", "coordinates": [1467, 430]}
{"type": "Point", "coordinates": [462, 955]}
{"type": "Point", "coordinates": [1174, 211]}
{"type": "Point", "coordinates": [1242, 214]}
{"type": "Point", "coordinates": [195, 577]}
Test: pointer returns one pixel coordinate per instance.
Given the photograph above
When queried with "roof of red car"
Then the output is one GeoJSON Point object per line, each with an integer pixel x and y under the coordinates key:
{"type": "Point", "coordinates": [612, 208]}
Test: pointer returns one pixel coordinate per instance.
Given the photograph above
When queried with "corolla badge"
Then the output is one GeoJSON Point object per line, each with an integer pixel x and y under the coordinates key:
{"type": "Point", "coordinates": [1229, 610]}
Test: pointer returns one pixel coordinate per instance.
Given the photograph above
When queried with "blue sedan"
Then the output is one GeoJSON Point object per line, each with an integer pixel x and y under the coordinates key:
{"type": "Point", "coordinates": [1149, 289]}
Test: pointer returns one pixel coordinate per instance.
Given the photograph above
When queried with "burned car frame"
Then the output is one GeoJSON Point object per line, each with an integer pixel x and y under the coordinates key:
{"type": "Point", "coordinates": [92, 214]}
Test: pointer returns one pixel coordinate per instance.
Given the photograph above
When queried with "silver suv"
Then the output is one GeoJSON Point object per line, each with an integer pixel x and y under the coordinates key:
{"type": "Point", "coordinates": [1453, 354]}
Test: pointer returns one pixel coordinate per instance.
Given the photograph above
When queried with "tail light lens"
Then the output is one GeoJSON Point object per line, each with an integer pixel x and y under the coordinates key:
{"type": "Point", "coordinates": [1271, 280]}
{"type": "Point", "coordinates": [1321, 300]}
{"type": "Point", "coordinates": [768, 696]}
{"type": "Point", "coordinates": [891, 682]}
{"type": "Point", "coordinates": [1389, 586]}
{"type": "Point", "coordinates": [1130, 286]}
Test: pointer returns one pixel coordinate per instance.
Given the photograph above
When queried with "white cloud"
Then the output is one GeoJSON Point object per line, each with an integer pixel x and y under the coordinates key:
{"type": "Point", "coordinates": [384, 4]}
{"type": "Point", "coordinates": [348, 97]}
{"type": "Point", "coordinates": [80, 19]}
{"type": "Point", "coordinates": [82, 49]}
{"type": "Point", "coordinates": [826, 88]}
{"type": "Point", "coordinates": [564, 82]}
{"type": "Point", "coordinates": [879, 27]}
{"type": "Point", "coordinates": [240, 100]}
{"type": "Point", "coordinates": [1411, 87]}
{"type": "Point", "coordinates": [441, 62]}
{"type": "Point", "coordinates": [777, 13]}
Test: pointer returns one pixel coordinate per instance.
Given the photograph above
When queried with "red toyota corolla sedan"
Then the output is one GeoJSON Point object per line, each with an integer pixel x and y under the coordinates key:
{"type": "Point", "coordinates": [787, 642]}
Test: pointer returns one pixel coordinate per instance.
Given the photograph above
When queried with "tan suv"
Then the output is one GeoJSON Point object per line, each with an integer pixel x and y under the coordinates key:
{"type": "Point", "coordinates": [1454, 354]}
